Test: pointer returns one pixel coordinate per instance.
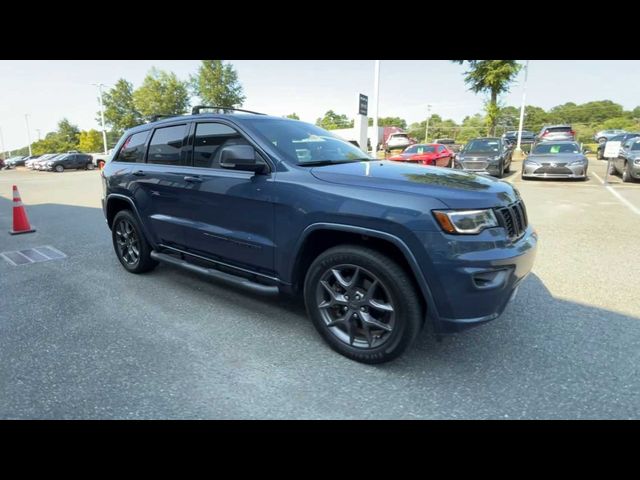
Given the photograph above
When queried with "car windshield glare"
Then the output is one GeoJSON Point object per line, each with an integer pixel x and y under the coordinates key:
{"type": "Point", "coordinates": [419, 149]}
{"type": "Point", "coordinates": [302, 143]}
{"type": "Point", "coordinates": [556, 148]}
{"type": "Point", "coordinates": [482, 146]}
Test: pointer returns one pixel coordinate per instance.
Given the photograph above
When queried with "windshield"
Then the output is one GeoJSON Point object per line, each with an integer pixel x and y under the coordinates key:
{"type": "Point", "coordinates": [305, 144]}
{"type": "Point", "coordinates": [482, 146]}
{"type": "Point", "coordinates": [556, 148]}
{"type": "Point", "coordinates": [419, 149]}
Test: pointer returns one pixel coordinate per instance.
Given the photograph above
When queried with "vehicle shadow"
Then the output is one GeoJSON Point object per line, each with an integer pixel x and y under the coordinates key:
{"type": "Point", "coordinates": [544, 356]}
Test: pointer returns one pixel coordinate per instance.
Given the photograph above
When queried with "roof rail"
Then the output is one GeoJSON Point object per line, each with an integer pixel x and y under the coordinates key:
{"type": "Point", "coordinates": [153, 118]}
{"type": "Point", "coordinates": [196, 110]}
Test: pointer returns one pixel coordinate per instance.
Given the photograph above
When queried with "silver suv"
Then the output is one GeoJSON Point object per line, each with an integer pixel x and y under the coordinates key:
{"type": "Point", "coordinates": [556, 133]}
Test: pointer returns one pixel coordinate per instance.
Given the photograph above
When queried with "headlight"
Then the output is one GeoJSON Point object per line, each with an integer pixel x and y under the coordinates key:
{"type": "Point", "coordinates": [465, 221]}
{"type": "Point", "coordinates": [49, 164]}
{"type": "Point", "coordinates": [578, 162]}
{"type": "Point", "coordinates": [637, 161]}
{"type": "Point", "coordinates": [531, 162]}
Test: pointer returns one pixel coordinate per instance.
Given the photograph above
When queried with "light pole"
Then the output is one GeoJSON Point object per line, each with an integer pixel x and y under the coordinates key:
{"type": "Point", "coordinates": [26, 120]}
{"type": "Point", "coordinates": [524, 95]}
{"type": "Point", "coordinates": [426, 132]}
{"type": "Point", "coordinates": [376, 99]}
{"type": "Point", "coordinates": [104, 130]}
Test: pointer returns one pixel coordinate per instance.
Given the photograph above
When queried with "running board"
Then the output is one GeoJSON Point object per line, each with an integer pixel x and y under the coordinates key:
{"type": "Point", "coordinates": [217, 274]}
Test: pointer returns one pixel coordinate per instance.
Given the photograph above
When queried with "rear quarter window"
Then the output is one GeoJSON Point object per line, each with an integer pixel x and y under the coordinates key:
{"type": "Point", "coordinates": [133, 148]}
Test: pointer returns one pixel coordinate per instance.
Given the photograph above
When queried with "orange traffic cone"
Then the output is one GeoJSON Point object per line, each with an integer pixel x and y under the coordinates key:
{"type": "Point", "coordinates": [20, 220]}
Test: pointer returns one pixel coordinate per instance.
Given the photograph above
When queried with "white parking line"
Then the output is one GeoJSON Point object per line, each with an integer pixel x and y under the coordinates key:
{"type": "Point", "coordinates": [623, 200]}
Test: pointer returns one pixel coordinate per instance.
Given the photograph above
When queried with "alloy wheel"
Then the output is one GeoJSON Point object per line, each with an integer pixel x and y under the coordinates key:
{"type": "Point", "coordinates": [355, 306]}
{"type": "Point", "coordinates": [128, 242]}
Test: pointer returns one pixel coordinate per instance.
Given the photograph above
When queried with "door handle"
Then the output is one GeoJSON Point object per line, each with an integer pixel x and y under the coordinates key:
{"type": "Point", "coordinates": [138, 173]}
{"type": "Point", "coordinates": [191, 179]}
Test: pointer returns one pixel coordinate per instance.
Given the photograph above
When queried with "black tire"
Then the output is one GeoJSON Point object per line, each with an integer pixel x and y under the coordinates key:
{"type": "Point", "coordinates": [90, 166]}
{"type": "Point", "coordinates": [501, 171]}
{"type": "Point", "coordinates": [144, 262]}
{"type": "Point", "coordinates": [626, 174]}
{"type": "Point", "coordinates": [507, 169]}
{"type": "Point", "coordinates": [600, 154]}
{"type": "Point", "coordinates": [602, 139]}
{"type": "Point", "coordinates": [398, 288]}
{"type": "Point", "coordinates": [59, 168]}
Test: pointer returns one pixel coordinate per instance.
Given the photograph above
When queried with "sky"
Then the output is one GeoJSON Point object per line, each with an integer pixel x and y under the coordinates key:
{"type": "Point", "coordinates": [49, 90]}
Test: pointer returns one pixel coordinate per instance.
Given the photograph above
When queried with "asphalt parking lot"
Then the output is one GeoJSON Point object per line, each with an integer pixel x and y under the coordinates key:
{"type": "Point", "coordinates": [82, 338]}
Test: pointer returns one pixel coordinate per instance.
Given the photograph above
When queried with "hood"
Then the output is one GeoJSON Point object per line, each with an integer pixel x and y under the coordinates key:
{"type": "Point", "coordinates": [556, 157]}
{"type": "Point", "coordinates": [455, 188]}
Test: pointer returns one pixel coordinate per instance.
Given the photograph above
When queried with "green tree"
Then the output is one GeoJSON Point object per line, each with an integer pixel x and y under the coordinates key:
{"type": "Point", "coordinates": [293, 116]}
{"type": "Point", "coordinates": [90, 141]}
{"type": "Point", "coordinates": [493, 77]}
{"type": "Point", "coordinates": [390, 122]}
{"type": "Point", "coordinates": [332, 120]}
{"type": "Point", "coordinates": [161, 93]}
{"type": "Point", "coordinates": [216, 83]}
{"type": "Point", "coordinates": [120, 112]}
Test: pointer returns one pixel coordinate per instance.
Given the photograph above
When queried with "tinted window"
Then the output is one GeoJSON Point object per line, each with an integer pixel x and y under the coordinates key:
{"type": "Point", "coordinates": [166, 146]}
{"type": "Point", "coordinates": [635, 146]}
{"type": "Point", "coordinates": [209, 141]}
{"type": "Point", "coordinates": [133, 148]}
{"type": "Point", "coordinates": [559, 129]}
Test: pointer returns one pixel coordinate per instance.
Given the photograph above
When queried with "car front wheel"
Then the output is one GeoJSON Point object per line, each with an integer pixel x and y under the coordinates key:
{"type": "Point", "coordinates": [59, 168]}
{"type": "Point", "coordinates": [362, 303]}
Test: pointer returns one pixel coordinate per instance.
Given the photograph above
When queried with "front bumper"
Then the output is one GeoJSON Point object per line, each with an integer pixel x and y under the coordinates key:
{"type": "Point", "coordinates": [547, 171]}
{"type": "Point", "coordinates": [479, 166]}
{"type": "Point", "coordinates": [474, 277]}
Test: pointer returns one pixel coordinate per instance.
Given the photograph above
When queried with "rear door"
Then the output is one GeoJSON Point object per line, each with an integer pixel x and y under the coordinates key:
{"type": "Point", "coordinates": [160, 181]}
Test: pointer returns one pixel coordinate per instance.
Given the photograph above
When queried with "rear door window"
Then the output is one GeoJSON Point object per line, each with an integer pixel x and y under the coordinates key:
{"type": "Point", "coordinates": [165, 147]}
{"type": "Point", "coordinates": [133, 148]}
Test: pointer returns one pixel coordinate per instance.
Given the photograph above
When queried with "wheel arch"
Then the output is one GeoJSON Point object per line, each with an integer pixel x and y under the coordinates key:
{"type": "Point", "coordinates": [116, 202]}
{"type": "Point", "coordinates": [318, 237]}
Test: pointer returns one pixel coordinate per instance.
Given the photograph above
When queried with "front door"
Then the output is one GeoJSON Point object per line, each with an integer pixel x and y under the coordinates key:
{"type": "Point", "coordinates": [229, 213]}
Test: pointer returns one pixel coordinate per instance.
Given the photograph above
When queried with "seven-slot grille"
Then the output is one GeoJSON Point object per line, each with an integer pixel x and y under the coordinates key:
{"type": "Point", "coordinates": [513, 218]}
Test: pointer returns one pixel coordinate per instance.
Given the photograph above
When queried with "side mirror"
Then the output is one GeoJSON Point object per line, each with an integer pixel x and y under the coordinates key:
{"type": "Point", "coordinates": [241, 157]}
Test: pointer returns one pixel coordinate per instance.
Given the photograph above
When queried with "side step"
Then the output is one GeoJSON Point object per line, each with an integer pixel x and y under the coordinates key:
{"type": "Point", "coordinates": [217, 274]}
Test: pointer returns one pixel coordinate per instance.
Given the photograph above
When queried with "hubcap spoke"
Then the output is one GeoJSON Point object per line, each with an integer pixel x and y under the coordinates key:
{"type": "Point", "coordinates": [368, 319]}
{"type": "Point", "coordinates": [385, 307]}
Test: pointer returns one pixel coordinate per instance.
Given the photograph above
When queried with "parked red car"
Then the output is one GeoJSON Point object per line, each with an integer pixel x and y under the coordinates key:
{"type": "Point", "coordinates": [433, 154]}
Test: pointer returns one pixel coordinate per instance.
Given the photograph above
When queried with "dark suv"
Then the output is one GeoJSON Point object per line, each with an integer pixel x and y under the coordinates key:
{"type": "Point", "coordinates": [272, 204]}
{"type": "Point", "coordinates": [68, 161]}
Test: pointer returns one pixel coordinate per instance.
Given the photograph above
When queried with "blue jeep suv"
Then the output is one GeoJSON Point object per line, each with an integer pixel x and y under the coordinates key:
{"type": "Point", "coordinates": [376, 248]}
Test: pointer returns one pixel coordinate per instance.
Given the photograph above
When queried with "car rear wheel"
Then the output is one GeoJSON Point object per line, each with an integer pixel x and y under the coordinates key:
{"type": "Point", "coordinates": [362, 303]}
{"type": "Point", "coordinates": [132, 249]}
{"type": "Point", "coordinates": [90, 166]}
{"type": "Point", "coordinates": [612, 170]}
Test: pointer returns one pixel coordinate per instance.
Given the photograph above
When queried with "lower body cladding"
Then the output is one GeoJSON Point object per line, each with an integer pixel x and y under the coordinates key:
{"type": "Point", "coordinates": [530, 170]}
{"type": "Point", "coordinates": [475, 277]}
